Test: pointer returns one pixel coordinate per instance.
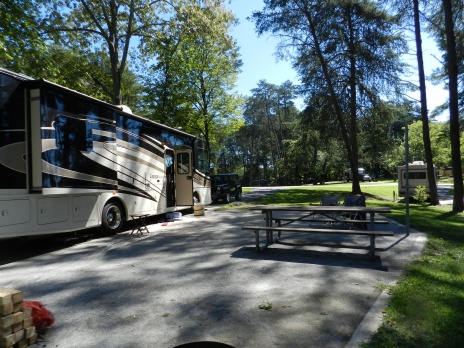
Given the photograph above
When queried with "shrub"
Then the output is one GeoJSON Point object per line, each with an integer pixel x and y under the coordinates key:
{"type": "Point", "coordinates": [420, 194]}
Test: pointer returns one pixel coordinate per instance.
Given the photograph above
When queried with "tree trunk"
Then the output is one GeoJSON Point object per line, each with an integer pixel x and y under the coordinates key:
{"type": "Point", "coordinates": [356, 188]}
{"type": "Point", "coordinates": [116, 85]}
{"type": "Point", "coordinates": [424, 114]}
{"type": "Point", "coordinates": [331, 91]}
{"type": "Point", "coordinates": [453, 106]}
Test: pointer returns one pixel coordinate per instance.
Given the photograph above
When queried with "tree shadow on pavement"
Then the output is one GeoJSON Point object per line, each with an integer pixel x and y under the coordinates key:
{"type": "Point", "coordinates": [314, 257]}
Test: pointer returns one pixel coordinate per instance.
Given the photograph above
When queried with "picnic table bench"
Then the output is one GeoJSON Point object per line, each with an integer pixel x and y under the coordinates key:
{"type": "Point", "coordinates": [279, 229]}
{"type": "Point", "coordinates": [329, 215]}
{"type": "Point", "coordinates": [279, 220]}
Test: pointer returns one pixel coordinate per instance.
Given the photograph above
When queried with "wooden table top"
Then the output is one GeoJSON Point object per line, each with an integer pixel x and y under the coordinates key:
{"type": "Point", "coordinates": [322, 208]}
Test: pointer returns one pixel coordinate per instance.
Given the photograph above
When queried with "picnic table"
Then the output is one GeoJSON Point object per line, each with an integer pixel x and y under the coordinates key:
{"type": "Point", "coordinates": [330, 220]}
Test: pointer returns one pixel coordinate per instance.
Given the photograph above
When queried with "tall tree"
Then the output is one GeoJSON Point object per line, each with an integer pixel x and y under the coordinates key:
{"type": "Point", "coordinates": [446, 24]}
{"type": "Point", "coordinates": [271, 117]}
{"type": "Point", "coordinates": [258, 114]}
{"type": "Point", "coordinates": [346, 49]}
{"type": "Point", "coordinates": [287, 115]}
{"type": "Point", "coordinates": [197, 66]}
{"type": "Point", "coordinates": [424, 112]}
{"type": "Point", "coordinates": [320, 136]}
{"type": "Point", "coordinates": [373, 142]}
{"type": "Point", "coordinates": [452, 69]}
{"type": "Point", "coordinates": [116, 27]}
{"type": "Point", "coordinates": [25, 47]}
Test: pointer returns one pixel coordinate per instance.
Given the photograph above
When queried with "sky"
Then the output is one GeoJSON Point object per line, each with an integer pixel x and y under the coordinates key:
{"type": "Point", "coordinates": [257, 53]}
{"type": "Point", "coordinates": [260, 63]}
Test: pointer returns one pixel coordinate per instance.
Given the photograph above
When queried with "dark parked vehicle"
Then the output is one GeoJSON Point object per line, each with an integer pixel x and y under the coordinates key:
{"type": "Point", "coordinates": [366, 177]}
{"type": "Point", "coordinates": [223, 186]}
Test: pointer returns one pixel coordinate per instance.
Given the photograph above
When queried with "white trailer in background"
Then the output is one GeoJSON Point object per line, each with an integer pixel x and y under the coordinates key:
{"type": "Point", "coordinates": [417, 177]}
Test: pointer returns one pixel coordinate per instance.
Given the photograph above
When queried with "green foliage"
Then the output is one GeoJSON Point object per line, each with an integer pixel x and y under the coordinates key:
{"type": "Point", "coordinates": [20, 38]}
{"type": "Point", "coordinates": [420, 194]}
{"type": "Point", "coordinates": [319, 142]}
{"type": "Point", "coordinates": [266, 140]}
{"type": "Point", "coordinates": [81, 45]}
{"type": "Point", "coordinates": [380, 152]}
{"type": "Point", "coordinates": [114, 32]}
{"type": "Point", "coordinates": [439, 138]}
{"type": "Point", "coordinates": [197, 63]}
{"type": "Point", "coordinates": [267, 306]}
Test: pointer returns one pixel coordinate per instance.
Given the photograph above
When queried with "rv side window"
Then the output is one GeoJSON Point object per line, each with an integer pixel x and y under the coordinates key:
{"type": "Point", "coordinates": [202, 162]}
{"type": "Point", "coordinates": [417, 175]}
{"type": "Point", "coordinates": [183, 163]}
{"type": "Point", "coordinates": [72, 134]}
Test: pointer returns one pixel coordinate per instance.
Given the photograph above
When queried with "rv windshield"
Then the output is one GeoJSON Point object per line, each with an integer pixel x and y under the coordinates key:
{"type": "Point", "coordinates": [9, 102]}
{"type": "Point", "coordinates": [12, 133]}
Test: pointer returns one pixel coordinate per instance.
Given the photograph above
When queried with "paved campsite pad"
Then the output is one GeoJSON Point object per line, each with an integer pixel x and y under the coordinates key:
{"type": "Point", "coordinates": [200, 279]}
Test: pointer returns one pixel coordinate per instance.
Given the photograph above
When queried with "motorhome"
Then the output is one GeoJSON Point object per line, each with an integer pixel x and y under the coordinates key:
{"type": "Point", "coordinates": [69, 162]}
{"type": "Point", "coordinates": [417, 174]}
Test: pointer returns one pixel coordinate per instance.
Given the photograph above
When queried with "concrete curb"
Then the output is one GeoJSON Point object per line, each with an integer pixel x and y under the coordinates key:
{"type": "Point", "coordinates": [370, 323]}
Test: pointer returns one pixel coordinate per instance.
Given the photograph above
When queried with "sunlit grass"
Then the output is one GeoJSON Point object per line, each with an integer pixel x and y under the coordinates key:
{"type": "Point", "coordinates": [312, 194]}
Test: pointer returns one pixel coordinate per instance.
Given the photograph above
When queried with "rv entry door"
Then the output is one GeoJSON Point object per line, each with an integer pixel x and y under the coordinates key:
{"type": "Point", "coordinates": [184, 178]}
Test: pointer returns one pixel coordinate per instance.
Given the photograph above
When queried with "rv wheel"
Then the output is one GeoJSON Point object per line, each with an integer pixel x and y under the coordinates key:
{"type": "Point", "coordinates": [112, 219]}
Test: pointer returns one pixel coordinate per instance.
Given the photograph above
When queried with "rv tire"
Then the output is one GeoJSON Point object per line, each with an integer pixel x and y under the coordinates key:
{"type": "Point", "coordinates": [112, 219]}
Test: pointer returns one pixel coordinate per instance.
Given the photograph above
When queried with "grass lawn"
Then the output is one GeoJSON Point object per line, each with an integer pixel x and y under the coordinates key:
{"type": "Point", "coordinates": [427, 305]}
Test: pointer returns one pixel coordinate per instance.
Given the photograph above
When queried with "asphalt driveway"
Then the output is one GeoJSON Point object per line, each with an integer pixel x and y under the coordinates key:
{"type": "Point", "coordinates": [200, 279]}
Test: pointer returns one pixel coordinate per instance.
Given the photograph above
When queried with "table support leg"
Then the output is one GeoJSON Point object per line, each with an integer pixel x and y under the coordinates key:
{"type": "Point", "coordinates": [269, 234]}
{"type": "Point", "coordinates": [279, 232]}
{"type": "Point", "coordinates": [372, 247]}
{"type": "Point", "coordinates": [258, 247]}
